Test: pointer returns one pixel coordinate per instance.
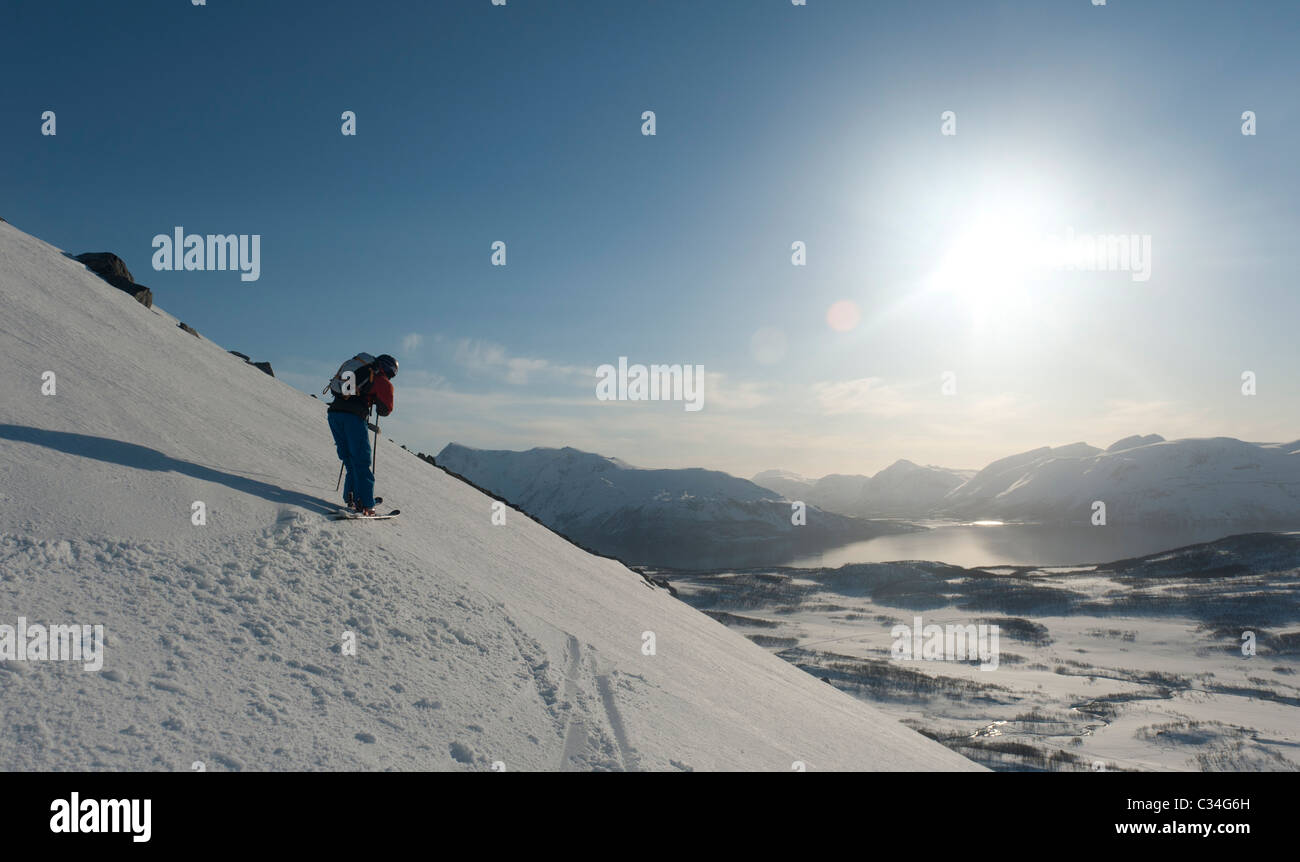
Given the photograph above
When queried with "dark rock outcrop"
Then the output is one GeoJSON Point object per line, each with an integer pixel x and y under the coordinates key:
{"type": "Point", "coordinates": [107, 266]}
{"type": "Point", "coordinates": [112, 269]}
{"type": "Point", "coordinates": [191, 330]}
{"type": "Point", "coordinates": [264, 367]}
{"type": "Point", "coordinates": [142, 294]}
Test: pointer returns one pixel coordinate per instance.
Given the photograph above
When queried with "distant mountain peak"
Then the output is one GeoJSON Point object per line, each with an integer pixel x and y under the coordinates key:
{"type": "Point", "coordinates": [1134, 441]}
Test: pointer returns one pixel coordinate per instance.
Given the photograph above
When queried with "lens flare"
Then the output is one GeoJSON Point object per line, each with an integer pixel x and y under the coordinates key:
{"type": "Point", "coordinates": [843, 316]}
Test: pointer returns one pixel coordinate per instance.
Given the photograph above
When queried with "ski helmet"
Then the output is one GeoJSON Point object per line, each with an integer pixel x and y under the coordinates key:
{"type": "Point", "coordinates": [388, 365]}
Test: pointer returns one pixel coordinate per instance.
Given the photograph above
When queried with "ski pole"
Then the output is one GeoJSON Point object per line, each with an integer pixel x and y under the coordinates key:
{"type": "Point", "coordinates": [340, 482]}
{"type": "Point", "coordinates": [375, 454]}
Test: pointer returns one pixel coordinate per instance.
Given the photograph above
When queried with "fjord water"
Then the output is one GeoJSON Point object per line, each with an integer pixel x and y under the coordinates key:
{"type": "Point", "coordinates": [994, 544]}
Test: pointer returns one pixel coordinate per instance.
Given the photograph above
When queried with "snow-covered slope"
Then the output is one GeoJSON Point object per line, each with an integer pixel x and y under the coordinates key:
{"type": "Point", "coordinates": [691, 518]}
{"type": "Point", "coordinates": [1141, 480]}
{"type": "Point", "coordinates": [475, 643]}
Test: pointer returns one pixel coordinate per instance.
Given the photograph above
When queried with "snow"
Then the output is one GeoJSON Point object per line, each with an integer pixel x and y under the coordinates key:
{"type": "Point", "coordinates": [476, 644]}
{"type": "Point", "coordinates": [1134, 441]}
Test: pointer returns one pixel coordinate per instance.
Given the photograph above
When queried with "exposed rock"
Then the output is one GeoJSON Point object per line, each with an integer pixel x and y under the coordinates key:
{"type": "Point", "coordinates": [264, 367]}
{"type": "Point", "coordinates": [142, 294]}
{"type": "Point", "coordinates": [112, 269]}
{"type": "Point", "coordinates": [191, 330]}
{"type": "Point", "coordinates": [107, 266]}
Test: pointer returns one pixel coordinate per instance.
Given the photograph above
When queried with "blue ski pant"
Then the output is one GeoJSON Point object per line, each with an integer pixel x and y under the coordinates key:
{"type": "Point", "coordinates": [352, 440]}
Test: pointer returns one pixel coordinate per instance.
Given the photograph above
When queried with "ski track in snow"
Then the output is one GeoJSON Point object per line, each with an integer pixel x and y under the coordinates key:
{"type": "Point", "coordinates": [575, 732]}
{"type": "Point", "coordinates": [580, 744]}
{"type": "Point", "coordinates": [606, 687]}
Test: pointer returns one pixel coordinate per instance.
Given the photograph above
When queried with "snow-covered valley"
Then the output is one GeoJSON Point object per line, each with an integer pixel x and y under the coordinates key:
{"type": "Point", "coordinates": [1137, 665]}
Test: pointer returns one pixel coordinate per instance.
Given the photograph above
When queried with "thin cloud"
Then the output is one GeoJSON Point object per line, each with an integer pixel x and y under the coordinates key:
{"type": "Point", "coordinates": [721, 391]}
{"type": "Point", "coordinates": [486, 359]}
{"type": "Point", "coordinates": [866, 395]}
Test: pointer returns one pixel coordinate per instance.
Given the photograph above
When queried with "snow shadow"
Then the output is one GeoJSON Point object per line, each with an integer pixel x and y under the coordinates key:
{"type": "Point", "coordinates": [144, 458]}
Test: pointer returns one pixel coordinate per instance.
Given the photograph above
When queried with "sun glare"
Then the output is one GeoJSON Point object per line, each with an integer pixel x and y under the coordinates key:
{"type": "Point", "coordinates": [991, 261]}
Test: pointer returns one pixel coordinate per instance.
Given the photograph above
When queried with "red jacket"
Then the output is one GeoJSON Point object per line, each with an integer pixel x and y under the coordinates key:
{"type": "Point", "coordinates": [381, 394]}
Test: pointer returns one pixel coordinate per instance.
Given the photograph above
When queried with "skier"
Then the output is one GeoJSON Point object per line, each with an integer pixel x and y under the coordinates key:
{"type": "Point", "coordinates": [349, 414]}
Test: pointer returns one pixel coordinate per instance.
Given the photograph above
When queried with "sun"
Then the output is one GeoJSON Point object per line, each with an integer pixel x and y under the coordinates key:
{"type": "Point", "coordinates": [991, 261]}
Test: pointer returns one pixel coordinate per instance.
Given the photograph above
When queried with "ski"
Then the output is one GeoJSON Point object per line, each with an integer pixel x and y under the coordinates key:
{"type": "Point", "coordinates": [348, 515]}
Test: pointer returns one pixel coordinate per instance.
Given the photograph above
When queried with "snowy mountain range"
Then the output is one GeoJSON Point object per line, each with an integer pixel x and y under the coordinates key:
{"type": "Point", "coordinates": [696, 518]}
{"type": "Point", "coordinates": [658, 517]}
{"type": "Point", "coordinates": [1141, 479]}
{"type": "Point", "coordinates": [901, 490]}
{"type": "Point", "coordinates": [162, 488]}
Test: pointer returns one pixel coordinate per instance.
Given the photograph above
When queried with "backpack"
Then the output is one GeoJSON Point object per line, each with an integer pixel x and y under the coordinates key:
{"type": "Point", "coordinates": [362, 374]}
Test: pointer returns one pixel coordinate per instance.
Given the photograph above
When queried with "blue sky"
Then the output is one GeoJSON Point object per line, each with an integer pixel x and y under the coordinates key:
{"type": "Point", "coordinates": [775, 123]}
